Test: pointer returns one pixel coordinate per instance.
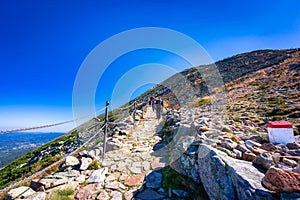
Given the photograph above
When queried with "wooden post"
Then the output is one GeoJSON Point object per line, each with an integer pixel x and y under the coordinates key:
{"type": "Point", "coordinates": [105, 129]}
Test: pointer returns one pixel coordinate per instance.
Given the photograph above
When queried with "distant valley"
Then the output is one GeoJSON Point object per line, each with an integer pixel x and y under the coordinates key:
{"type": "Point", "coordinates": [15, 145]}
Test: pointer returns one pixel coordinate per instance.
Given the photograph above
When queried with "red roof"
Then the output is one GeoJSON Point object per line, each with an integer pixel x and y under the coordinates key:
{"type": "Point", "coordinates": [280, 125]}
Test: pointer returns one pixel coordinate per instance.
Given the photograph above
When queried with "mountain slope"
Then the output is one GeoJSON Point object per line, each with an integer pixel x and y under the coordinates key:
{"type": "Point", "coordinates": [260, 86]}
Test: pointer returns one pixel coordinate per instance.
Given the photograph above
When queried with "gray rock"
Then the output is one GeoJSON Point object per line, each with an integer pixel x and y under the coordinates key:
{"type": "Point", "coordinates": [293, 145]}
{"type": "Point", "coordinates": [264, 161]}
{"type": "Point", "coordinates": [238, 153]}
{"type": "Point", "coordinates": [115, 195]}
{"type": "Point", "coordinates": [251, 144]}
{"type": "Point", "coordinates": [71, 161]}
{"type": "Point", "coordinates": [20, 193]}
{"type": "Point", "coordinates": [226, 178]}
{"type": "Point", "coordinates": [68, 174]}
{"type": "Point", "coordinates": [289, 162]}
{"type": "Point", "coordinates": [98, 176]}
{"type": "Point", "coordinates": [290, 196]}
{"type": "Point", "coordinates": [242, 148]}
{"type": "Point", "coordinates": [294, 152]}
{"type": "Point", "coordinates": [229, 145]}
{"type": "Point", "coordinates": [85, 162]}
{"type": "Point", "coordinates": [37, 196]}
{"type": "Point", "coordinates": [153, 180]}
{"type": "Point", "coordinates": [48, 182]}
{"type": "Point", "coordinates": [149, 194]}
{"type": "Point", "coordinates": [180, 193]}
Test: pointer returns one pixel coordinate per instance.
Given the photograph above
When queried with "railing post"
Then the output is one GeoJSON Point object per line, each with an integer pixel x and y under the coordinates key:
{"type": "Point", "coordinates": [105, 129]}
{"type": "Point", "coordinates": [134, 112]}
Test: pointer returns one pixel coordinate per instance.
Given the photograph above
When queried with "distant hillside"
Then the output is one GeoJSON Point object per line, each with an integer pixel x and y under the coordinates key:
{"type": "Point", "coordinates": [230, 69]}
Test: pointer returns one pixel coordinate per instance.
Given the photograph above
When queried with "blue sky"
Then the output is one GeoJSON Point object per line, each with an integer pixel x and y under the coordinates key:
{"type": "Point", "coordinates": [43, 44]}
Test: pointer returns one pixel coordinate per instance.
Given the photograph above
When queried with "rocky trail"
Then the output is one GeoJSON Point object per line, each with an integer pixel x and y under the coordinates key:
{"type": "Point", "coordinates": [130, 171]}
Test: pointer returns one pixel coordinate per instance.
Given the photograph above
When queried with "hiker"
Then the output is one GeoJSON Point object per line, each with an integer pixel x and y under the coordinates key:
{"type": "Point", "coordinates": [158, 107]}
{"type": "Point", "coordinates": [152, 103]}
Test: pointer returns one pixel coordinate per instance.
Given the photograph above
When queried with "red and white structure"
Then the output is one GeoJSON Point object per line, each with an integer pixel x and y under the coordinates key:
{"type": "Point", "coordinates": [280, 132]}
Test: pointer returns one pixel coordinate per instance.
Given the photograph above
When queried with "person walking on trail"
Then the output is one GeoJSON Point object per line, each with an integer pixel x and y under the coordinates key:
{"type": "Point", "coordinates": [152, 103]}
{"type": "Point", "coordinates": [158, 107]}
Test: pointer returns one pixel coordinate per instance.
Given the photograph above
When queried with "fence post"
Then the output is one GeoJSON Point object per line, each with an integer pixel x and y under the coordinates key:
{"type": "Point", "coordinates": [134, 112]}
{"type": "Point", "coordinates": [105, 129]}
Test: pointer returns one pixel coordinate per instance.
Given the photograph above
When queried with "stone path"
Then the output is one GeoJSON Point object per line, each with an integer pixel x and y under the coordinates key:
{"type": "Point", "coordinates": [134, 157]}
{"type": "Point", "coordinates": [129, 172]}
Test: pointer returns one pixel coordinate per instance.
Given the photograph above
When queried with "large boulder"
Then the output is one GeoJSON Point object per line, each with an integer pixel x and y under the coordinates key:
{"type": "Point", "coordinates": [48, 182]}
{"type": "Point", "coordinates": [98, 176]}
{"type": "Point", "coordinates": [226, 178]}
{"type": "Point", "coordinates": [20, 193]}
{"type": "Point", "coordinates": [71, 161]}
{"type": "Point", "coordinates": [281, 180]}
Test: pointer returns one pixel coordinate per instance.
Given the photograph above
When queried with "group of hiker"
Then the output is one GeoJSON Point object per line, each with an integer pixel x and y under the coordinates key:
{"type": "Point", "coordinates": [157, 106]}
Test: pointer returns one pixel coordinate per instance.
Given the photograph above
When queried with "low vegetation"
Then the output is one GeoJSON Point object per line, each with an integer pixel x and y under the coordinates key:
{"type": "Point", "coordinates": [62, 194]}
{"type": "Point", "coordinates": [22, 168]}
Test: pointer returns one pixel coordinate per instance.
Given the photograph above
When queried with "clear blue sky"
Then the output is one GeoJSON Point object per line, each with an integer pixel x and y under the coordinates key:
{"type": "Point", "coordinates": [43, 43]}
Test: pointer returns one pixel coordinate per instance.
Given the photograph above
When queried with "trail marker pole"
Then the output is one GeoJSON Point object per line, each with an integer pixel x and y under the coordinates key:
{"type": "Point", "coordinates": [105, 129]}
{"type": "Point", "coordinates": [134, 112]}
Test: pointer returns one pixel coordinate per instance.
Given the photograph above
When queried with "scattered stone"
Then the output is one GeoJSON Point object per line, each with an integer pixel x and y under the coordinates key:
{"type": "Point", "coordinates": [238, 154]}
{"type": "Point", "coordinates": [294, 152]}
{"type": "Point", "coordinates": [113, 177]}
{"type": "Point", "coordinates": [258, 151]}
{"type": "Point", "coordinates": [71, 161]}
{"type": "Point", "coordinates": [123, 177]}
{"type": "Point", "coordinates": [146, 165]}
{"type": "Point", "coordinates": [229, 145]}
{"type": "Point", "coordinates": [85, 162]}
{"type": "Point", "coordinates": [153, 180]}
{"type": "Point", "coordinates": [249, 156]}
{"type": "Point", "coordinates": [114, 185]}
{"type": "Point", "coordinates": [20, 193]}
{"type": "Point", "coordinates": [80, 178]}
{"type": "Point", "coordinates": [268, 147]}
{"type": "Point", "coordinates": [180, 193]}
{"type": "Point", "coordinates": [297, 169]}
{"type": "Point", "coordinates": [157, 164]}
{"type": "Point", "coordinates": [87, 191]}
{"type": "Point", "coordinates": [242, 148]}
{"type": "Point", "coordinates": [48, 182]}
{"type": "Point", "coordinates": [293, 145]}
{"type": "Point", "coordinates": [98, 176]}
{"type": "Point", "coordinates": [68, 174]}
{"type": "Point", "coordinates": [289, 162]}
{"type": "Point", "coordinates": [281, 180]}
{"type": "Point", "coordinates": [103, 195]}
{"type": "Point", "coordinates": [115, 195]}
{"type": "Point", "coordinates": [276, 157]}
{"type": "Point", "coordinates": [135, 180]}
{"type": "Point", "coordinates": [149, 194]}
{"type": "Point", "coordinates": [135, 170]}
{"type": "Point", "coordinates": [265, 161]}
{"type": "Point", "coordinates": [251, 144]}
{"type": "Point", "coordinates": [128, 195]}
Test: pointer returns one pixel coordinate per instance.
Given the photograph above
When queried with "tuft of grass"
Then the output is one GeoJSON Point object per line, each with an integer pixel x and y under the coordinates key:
{"type": "Point", "coordinates": [62, 194]}
{"type": "Point", "coordinates": [84, 183]}
{"type": "Point", "coordinates": [94, 165]}
{"type": "Point", "coordinates": [205, 100]}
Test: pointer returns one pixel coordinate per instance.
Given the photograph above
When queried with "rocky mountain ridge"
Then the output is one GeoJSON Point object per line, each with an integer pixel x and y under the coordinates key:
{"type": "Point", "coordinates": [266, 90]}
